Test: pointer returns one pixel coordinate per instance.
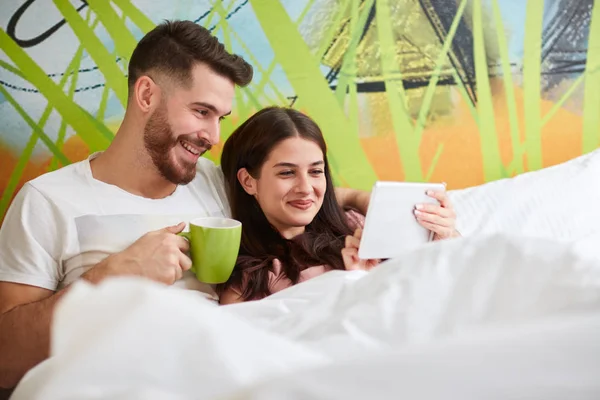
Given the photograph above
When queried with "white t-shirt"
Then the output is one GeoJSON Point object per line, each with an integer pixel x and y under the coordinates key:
{"type": "Point", "coordinates": [64, 222]}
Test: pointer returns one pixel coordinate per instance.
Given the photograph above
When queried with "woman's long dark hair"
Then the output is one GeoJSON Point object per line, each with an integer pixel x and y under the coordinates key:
{"type": "Point", "coordinates": [249, 147]}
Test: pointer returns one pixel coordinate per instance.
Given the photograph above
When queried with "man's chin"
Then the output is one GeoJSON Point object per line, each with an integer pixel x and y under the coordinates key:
{"type": "Point", "coordinates": [179, 176]}
{"type": "Point", "coordinates": [184, 180]}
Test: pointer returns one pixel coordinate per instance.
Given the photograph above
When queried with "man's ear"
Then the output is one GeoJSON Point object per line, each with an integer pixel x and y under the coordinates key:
{"type": "Point", "coordinates": [247, 181]}
{"type": "Point", "coordinates": [146, 94]}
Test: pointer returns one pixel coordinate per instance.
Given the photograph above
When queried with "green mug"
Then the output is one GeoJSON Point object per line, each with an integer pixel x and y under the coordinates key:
{"type": "Point", "coordinates": [214, 247]}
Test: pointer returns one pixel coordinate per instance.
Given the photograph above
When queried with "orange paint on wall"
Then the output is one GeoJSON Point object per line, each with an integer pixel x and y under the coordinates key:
{"type": "Point", "coordinates": [460, 163]}
{"type": "Point", "coordinates": [74, 149]}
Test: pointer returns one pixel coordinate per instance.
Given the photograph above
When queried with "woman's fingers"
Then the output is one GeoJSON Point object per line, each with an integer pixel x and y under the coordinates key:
{"type": "Point", "coordinates": [434, 219]}
{"type": "Point", "coordinates": [350, 258]}
{"type": "Point", "coordinates": [352, 242]}
{"type": "Point", "coordinates": [441, 231]}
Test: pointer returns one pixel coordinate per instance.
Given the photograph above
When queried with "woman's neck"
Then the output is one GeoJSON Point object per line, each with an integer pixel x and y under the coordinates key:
{"type": "Point", "coordinates": [288, 232]}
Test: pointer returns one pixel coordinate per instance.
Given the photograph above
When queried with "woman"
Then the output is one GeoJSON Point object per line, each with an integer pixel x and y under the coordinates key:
{"type": "Point", "coordinates": [279, 186]}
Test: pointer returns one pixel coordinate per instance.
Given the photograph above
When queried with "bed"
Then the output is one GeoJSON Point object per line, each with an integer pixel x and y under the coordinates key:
{"type": "Point", "coordinates": [510, 311]}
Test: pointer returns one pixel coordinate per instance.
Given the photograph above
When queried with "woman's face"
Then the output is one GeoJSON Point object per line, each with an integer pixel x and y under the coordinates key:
{"type": "Point", "coordinates": [291, 186]}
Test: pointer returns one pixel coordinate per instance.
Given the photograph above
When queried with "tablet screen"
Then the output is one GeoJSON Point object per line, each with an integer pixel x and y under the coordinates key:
{"type": "Point", "coordinates": [390, 226]}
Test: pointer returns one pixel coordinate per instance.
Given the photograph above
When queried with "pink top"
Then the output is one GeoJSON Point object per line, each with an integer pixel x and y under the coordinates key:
{"type": "Point", "coordinates": [278, 281]}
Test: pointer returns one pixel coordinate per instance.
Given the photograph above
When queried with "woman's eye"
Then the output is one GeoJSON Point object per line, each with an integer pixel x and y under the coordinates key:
{"type": "Point", "coordinates": [286, 173]}
{"type": "Point", "coordinates": [317, 172]}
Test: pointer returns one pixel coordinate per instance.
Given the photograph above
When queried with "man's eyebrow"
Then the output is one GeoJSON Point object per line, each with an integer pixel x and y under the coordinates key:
{"type": "Point", "coordinates": [210, 107]}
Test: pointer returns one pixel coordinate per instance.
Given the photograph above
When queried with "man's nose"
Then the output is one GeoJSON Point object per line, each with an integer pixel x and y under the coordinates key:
{"type": "Point", "coordinates": [215, 132]}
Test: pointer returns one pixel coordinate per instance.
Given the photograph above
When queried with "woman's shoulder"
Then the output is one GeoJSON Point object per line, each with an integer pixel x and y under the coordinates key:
{"type": "Point", "coordinates": [279, 281]}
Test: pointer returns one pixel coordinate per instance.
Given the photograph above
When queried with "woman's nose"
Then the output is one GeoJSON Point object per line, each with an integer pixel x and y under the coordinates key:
{"type": "Point", "coordinates": [303, 185]}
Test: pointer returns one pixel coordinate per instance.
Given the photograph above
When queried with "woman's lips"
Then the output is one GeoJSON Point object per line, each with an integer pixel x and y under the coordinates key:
{"type": "Point", "coordinates": [301, 204]}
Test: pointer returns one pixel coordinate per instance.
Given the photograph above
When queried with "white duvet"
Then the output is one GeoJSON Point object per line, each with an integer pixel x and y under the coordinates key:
{"type": "Point", "coordinates": [475, 318]}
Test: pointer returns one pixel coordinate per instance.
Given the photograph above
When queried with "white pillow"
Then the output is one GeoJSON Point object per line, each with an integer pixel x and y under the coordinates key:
{"type": "Point", "coordinates": [560, 202]}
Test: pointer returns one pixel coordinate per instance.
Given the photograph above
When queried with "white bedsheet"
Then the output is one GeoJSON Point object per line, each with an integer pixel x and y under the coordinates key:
{"type": "Point", "coordinates": [489, 317]}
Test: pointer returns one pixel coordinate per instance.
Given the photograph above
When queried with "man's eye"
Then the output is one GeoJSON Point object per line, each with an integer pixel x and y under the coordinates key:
{"type": "Point", "coordinates": [203, 112]}
{"type": "Point", "coordinates": [286, 173]}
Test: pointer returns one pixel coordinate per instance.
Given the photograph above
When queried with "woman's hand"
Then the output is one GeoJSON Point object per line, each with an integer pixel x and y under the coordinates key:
{"type": "Point", "coordinates": [440, 219]}
{"type": "Point", "coordinates": [350, 254]}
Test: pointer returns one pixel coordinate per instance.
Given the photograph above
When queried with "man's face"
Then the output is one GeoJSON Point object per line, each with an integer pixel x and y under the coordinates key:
{"type": "Point", "coordinates": [186, 123]}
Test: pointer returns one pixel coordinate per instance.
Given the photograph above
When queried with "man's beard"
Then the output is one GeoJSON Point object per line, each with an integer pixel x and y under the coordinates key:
{"type": "Point", "coordinates": [159, 141]}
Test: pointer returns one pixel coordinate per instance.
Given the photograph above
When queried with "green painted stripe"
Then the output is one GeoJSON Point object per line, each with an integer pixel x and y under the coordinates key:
{"type": "Point", "coordinates": [566, 95]}
{"type": "Point", "coordinates": [227, 33]}
{"type": "Point", "coordinates": [63, 125]}
{"type": "Point", "coordinates": [591, 97]}
{"type": "Point", "coordinates": [408, 143]}
{"type": "Point", "coordinates": [332, 31]}
{"type": "Point", "coordinates": [10, 68]}
{"type": "Point", "coordinates": [135, 15]}
{"type": "Point", "coordinates": [17, 173]}
{"type": "Point", "coordinates": [209, 18]}
{"type": "Point", "coordinates": [27, 152]}
{"type": "Point", "coordinates": [251, 58]}
{"type": "Point", "coordinates": [73, 67]}
{"type": "Point", "coordinates": [305, 11]}
{"type": "Point", "coordinates": [103, 104]}
{"type": "Point", "coordinates": [260, 87]}
{"type": "Point", "coordinates": [252, 99]}
{"type": "Point", "coordinates": [348, 71]}
{"type": "Point", "coordinates": [532, 72]}
{"type": "Point", "coordinates": [465, 96]}
{"type": "Point", "coordinates": [492, 163]}
{"type": "Point", "coordinates": [303, 73]}
{"type": "Point", "coordinates": [221, 12]}
{"type": "Point", "coordinates": [106, 64]}
{"type": "Point", "coordinates": [434, 161]}
{"type": "Point", "coordinates": [115, 26]}
{"type": "Point", "coordinates": [435, 76]}
{"type": "Point", "coordinates": [93, 132]}
{"type": "Point", "coordinates": [37, 130]}
{"type": "Point", "coordinates": [511, 101]}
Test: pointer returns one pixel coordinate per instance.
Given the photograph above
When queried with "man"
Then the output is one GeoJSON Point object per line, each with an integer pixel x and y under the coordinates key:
{"type": "Point", "coordinates": [90, 220]}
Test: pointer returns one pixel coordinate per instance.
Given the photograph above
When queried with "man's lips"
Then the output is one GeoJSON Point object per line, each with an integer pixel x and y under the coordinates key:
{"type": "Point", "coordinates": [191, 148]}
{"type": "Point", "coordinates": [195, 147]}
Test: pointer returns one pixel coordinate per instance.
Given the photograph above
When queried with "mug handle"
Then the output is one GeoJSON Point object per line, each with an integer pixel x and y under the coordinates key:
{"type": "Point", "coordinates": [187, 236]}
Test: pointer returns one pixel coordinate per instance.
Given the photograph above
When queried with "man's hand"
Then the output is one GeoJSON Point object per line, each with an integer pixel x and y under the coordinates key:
{"type": "Point", "coordinates": [158, 255]}
{"type": "Point", "coordinates": [353, 198]}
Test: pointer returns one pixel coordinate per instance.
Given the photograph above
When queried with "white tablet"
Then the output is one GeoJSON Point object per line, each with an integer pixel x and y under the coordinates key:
{"type": "Point", "coordinates": [391, 227]}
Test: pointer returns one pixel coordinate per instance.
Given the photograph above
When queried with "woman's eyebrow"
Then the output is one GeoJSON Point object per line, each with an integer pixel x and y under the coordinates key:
{"type": "Point", "coordinates": [292, 165]}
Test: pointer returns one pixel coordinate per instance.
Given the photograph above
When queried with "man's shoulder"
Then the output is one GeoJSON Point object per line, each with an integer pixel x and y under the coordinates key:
{"type": "Point", "coordinates": [205, 165]}
{"type": "Point", "coordinates": [208, 172]}
{"type": "Point", "coordinates": [209, 183]}
{"type": "Point", "coordinates": [63, 181]}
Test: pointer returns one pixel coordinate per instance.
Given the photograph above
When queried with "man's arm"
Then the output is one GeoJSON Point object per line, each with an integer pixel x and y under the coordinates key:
{"type": "Point", "coordinates": [26, 311]}
{"type": "Point", "coordinates": [25, 319]}
{"type": "Point", "coordinates": [353, 198]}
{"type": "Point", "coordinates": [25, 314]}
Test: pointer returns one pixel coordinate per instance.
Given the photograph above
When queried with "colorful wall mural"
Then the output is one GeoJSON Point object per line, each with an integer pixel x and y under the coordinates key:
{"type": "Point", "coordinates": [420, 90]}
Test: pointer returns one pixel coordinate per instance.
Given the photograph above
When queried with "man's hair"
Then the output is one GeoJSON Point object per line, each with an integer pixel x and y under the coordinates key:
{"type": "Point", "coordinates": [174, 47]}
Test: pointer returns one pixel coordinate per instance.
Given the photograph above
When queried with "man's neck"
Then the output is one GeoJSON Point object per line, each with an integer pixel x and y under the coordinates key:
{"type": "Point", "coordinates": [126, 164]}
